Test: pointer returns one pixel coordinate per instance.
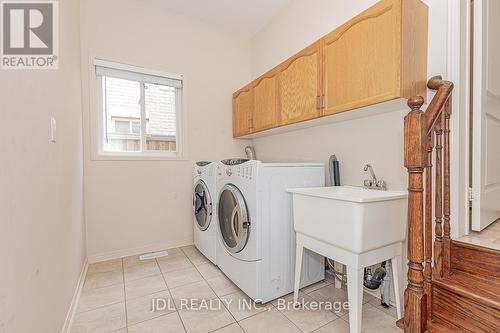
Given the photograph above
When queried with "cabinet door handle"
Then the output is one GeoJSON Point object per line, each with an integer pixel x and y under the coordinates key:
{"type": "Point", "coordinates": [250, 123]}
{"type": "Point", "coordinates": [318, 102]}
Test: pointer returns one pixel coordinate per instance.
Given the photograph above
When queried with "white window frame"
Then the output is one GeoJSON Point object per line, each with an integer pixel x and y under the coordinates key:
{"type": "Point", "coordinates": [141, 75]}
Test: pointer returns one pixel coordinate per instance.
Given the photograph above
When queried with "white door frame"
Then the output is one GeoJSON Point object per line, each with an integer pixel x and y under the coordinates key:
{"type": "Point", "coordinates": [458, 64]}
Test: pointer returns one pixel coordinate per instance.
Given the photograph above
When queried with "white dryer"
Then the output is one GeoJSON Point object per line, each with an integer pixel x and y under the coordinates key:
{"type": "Point", "coordinates": [205, 208]}
{"type": "Point", "coordinates": [256, 239]}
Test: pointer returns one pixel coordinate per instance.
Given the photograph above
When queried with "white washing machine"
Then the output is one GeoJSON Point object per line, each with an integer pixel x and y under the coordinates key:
{"type": "Point", "coordinates": [256, 239]}
{"type": "Point", "coordinates": [205, 208]}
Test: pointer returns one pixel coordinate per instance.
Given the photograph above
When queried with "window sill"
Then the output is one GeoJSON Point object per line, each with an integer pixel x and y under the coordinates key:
{"type": "Point", "coordinates": [138, 157]}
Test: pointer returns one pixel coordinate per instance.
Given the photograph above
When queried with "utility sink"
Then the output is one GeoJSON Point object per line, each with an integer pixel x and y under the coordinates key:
{"type": "Point", "coordinates": [351, 218]}
{"type": "Point", "coordinates": [355, 226]}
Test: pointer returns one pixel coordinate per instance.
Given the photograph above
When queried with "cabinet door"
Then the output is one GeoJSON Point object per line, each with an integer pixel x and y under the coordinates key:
{"type": "Point", "coordinates": [299, 86]}
{"type": "Point", "coordinates": [362, 59]}
{"type": "Point", "coordinates": [265, 102]}
{"type": "Point", "coordinates": [242, 111]}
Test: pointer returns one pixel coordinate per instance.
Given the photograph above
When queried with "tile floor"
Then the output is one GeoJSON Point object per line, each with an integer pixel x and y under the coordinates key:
{"type": "Point", "coordinates": [489, 237]}
{"type": "Point", "coordinates": [117, 297]}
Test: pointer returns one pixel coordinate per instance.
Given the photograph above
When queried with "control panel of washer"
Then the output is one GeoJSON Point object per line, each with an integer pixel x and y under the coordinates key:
{"type": "Point", "coordinates": [245, 171]}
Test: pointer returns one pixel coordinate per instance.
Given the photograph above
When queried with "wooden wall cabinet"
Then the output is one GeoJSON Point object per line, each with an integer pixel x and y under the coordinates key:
{"type": "Point", "coordinates": [265, 102]}
{"type": "Point", "coordinates": [299, 86]}
{"type": "Point", "coordinates": [378, 56]}
{"type": "Point", "coordinates": [243, 111]}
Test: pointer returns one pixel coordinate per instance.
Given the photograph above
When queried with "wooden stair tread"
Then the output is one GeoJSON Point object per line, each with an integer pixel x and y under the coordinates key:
{"type": "Point", "coordinates": [435, 326]}
{"type": "Point", "coordinates": [439, 326]}
{"type": "Point", "coordinates": [475, 260]}
{"type": "Point", "coordinates": [473, 287]}
{"type": "Point", "coordinates": [476, 247]}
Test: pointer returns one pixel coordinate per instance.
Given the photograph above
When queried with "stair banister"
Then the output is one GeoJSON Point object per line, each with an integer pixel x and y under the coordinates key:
{"type": "Point", "coordinates": [435, 108]}
{"type": "Point", "coordinates": [424, 131]}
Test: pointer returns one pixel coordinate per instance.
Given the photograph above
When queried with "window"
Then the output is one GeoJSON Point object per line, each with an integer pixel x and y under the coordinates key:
{"type": "Point", "coordinates": [138, 111]}
{"type": "Point", "coordinates": [127, 126]}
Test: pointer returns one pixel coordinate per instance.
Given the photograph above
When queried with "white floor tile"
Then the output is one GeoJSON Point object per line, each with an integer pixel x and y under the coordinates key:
{"type": "Point", "coordinates": [142, 308]}
{"type": "Point", "coordinates": [316, 286]}
{"type": "Point", "coordinates": [105, 266]}
{"type": "Point", "coordinates": [141, 270]}
{"type": "Point", "coordinates": [182, 277]}
{"type": "Point", "coordinates": [194, 255]}
{"type": "Point", "coordinates": [209, 270]}
{"type": "Point", "coordinates": [145, 286]}
{"type": "Point", "coordinates": [192, 292]}
{"type": "Point", "coordinates": [391, 311]}
{"type": "Point", "coordinates": [375, 321]}
{"type": "Point", "coordinates": [305, 317]}
{"type": "Point", "coordinates": [336, 326]}
{"type": "Point", "coordinates": [202, 321]}
{"type": "Point", "coordinates": [102, 320]}
{"type": "Point", "coordinates": [103, 279]}
{"type": "Point", "coordinates": [94, 298]}
{"type": "Point", "coordinates": [495, 226]}
{"type": "Point", "coordinates": [338, 296]}
{"type": "Point", "coordinates": [241, 306]}
{"type": "Point", "coordinates": [174, 264]}
{"type": "Point", "coordinates": [170, 323]}
{"type": "Point", "coordinates": [233, 328]}
{"type": "Point", "coordinates": [271, 321]}
{"type": "Point", "coordinates": [222, 286]}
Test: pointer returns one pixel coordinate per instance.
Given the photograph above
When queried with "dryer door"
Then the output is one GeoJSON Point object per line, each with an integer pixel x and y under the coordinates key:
{"type": "Point", "coordinates": [234, 221]}
{"type": "Point", "coordinates": [202, 205]}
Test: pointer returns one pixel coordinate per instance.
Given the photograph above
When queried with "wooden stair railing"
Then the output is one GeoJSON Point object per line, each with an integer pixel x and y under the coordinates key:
{"type": "Point", "coordinates": [452, 286]}
{"type": "Point", "coordinates": [424, 131]}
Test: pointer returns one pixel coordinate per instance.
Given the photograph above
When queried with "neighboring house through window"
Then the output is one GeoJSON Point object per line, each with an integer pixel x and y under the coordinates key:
{"type": "Point", "coordinates": [138, 111]}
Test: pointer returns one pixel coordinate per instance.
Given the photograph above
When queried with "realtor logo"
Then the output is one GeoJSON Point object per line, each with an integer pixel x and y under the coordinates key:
{"type": "Point", "coordinates": [29, 34]}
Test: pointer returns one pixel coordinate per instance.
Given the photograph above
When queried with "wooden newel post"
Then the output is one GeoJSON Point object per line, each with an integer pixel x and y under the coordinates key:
{"type": "Point", "coordinates": [415, 160]}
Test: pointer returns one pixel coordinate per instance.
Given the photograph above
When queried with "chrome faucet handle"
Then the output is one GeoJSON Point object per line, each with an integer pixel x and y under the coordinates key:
{"type": "Point", "coordinates": [382, 184]}
{"type": "Point", "coordinates": [368, 183]}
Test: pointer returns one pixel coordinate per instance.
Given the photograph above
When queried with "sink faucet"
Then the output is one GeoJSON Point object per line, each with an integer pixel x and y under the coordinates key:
{"type": "Point", "coordinates": [374, 183]}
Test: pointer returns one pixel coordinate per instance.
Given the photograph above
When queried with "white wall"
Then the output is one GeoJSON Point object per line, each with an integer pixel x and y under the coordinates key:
{"type": "Point", "coordinates": [377, 139]}
{"type": "Point", "coordinates": [42, 245]}
{"type": "Point", "coordinates": [136, 206]}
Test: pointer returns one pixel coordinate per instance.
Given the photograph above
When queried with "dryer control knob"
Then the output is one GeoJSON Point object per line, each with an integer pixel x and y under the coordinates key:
{"type": "Point", "coordinates": [199, 171]}
{"type": "Point", "coordinates": [229, 172]}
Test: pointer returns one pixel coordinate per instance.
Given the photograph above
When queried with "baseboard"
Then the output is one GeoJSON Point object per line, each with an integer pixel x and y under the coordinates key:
{"type": "Point", "coordinates": [136, 251]}
{"type": "Point", "coordinates": [76, 297]}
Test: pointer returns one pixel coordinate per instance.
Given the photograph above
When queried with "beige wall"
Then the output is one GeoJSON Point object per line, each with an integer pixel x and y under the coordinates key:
{"type": "Point", "coordinates": [377, 139]}
{"type": "Point", "coordinates": [41, 219]}
{"type": "Point", "coordinates": [137, 206]}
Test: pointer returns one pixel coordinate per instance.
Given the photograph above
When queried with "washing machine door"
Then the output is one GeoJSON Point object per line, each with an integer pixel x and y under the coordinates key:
{"type": "Point", "coordinates": [202, 205]}
{"type": "Point", "coordinates": [234, 222]}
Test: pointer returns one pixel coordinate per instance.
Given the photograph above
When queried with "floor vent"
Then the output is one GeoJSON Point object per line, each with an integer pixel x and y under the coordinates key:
{"type": "Point", "coordinates": [153, 255]}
